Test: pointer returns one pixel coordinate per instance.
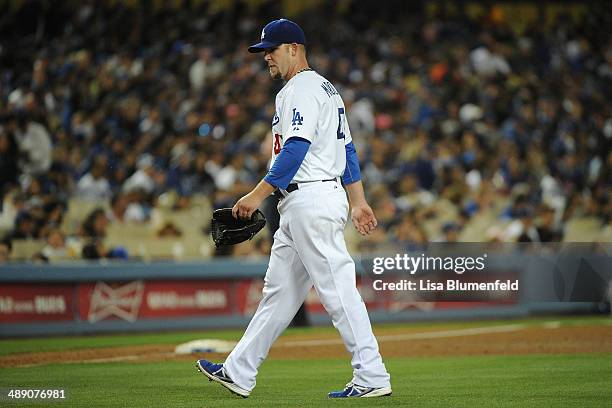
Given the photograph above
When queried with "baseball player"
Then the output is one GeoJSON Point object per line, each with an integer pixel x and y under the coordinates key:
{"type": "Point", "coordinates": [312, 153]}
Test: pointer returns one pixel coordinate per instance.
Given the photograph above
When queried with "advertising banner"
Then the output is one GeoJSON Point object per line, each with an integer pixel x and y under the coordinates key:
{"type": "Point", "coordinates": [153, 299]}
{"type": "Point", "coordinates": [20, 302]}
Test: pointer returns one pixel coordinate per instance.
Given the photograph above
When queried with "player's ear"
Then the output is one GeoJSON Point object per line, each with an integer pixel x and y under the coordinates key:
{"type": "Point", "coordinates": [293, 49]}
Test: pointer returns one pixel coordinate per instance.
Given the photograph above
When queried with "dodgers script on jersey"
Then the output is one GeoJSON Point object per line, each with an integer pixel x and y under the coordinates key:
{"type": "Point", "coordinates": [309, 107]}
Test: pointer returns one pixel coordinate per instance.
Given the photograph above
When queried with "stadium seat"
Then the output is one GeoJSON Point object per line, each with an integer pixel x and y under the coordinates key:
{"type": "Point", "coordinates": [119, 232]}
{"type": "Point", "coordinates": [605, 234]}
{"type": "Point", "coordinates": [173, 249]}
{"type": "Point", "coordinates": [77, 212]}
{"type": "Point", "coordinates": [476, 229]}
{"type": "Point", "coordinates": [583, 229]}
{"type": "Point", "coordinates": [25, 249]}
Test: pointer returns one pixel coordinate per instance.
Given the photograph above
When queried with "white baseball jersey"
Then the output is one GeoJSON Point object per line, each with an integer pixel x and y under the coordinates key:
{"type": "Point", "coordinates": [309, 107]}
{"type": "Point", "coordinates": [309, 248]}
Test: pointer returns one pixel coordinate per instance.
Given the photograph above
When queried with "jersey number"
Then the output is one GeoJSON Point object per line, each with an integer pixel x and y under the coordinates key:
{"type": "Point", "coordinates": [340, 131]}
{"type": "Point", "coordinates": [277, 144]}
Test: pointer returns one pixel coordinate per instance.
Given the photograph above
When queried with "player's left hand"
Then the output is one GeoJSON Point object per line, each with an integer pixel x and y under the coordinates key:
{"type": "Point", "coordinates": [246, 206]}
{"type": "Point", "coordinates": [363, 218]}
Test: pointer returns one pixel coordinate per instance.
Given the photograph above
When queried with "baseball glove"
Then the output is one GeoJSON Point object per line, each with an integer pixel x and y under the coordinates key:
{"type": "Point", "coordinates": [227, 230]}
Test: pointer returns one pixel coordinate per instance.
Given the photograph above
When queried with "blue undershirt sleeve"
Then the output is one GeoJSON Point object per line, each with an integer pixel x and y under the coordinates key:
{"type": "Point", "coordinates": [352, 173]}
{"type": "Point", "coordinates": [287, 162]}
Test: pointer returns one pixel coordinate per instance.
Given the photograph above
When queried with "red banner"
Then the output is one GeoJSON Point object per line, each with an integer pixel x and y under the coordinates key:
{"type": "Point", "coordinates": [21, 302]}
{"type": "Point", "coordinates": [153, 300]}
{"type": "Point", "coordinates": [248, 295]}
{"type": "Point", "coordinates": [131, 301]}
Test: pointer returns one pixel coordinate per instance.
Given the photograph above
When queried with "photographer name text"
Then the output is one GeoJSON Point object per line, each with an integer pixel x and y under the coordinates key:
{"type": "Point", "coordinates": [427, 285]}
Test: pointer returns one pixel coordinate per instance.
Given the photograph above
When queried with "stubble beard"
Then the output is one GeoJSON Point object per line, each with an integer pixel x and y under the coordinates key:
{"type": "Point", "coordinates": [276, 75]}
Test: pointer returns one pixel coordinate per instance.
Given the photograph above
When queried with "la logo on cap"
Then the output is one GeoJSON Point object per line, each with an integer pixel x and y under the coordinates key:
{"type": "Point", "coordinates": [263, 33]}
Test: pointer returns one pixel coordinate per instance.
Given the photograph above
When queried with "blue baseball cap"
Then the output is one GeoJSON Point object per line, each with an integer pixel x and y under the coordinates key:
{"type": "Point", "coordinates": [277, 32]}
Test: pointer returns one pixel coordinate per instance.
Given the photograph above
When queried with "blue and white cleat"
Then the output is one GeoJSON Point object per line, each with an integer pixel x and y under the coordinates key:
{"type": "Point", "coordinates": [216, 373]}
{"type": "Point", "coordinates": [354, 390]}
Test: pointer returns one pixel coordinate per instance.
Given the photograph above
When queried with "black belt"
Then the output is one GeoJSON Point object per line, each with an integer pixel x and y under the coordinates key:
{"type": "Point", "coordinates": [294, 186]}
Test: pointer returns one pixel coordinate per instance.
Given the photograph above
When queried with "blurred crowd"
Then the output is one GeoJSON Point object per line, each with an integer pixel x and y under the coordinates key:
{"type": "Point", "coordinates": [455, 114]}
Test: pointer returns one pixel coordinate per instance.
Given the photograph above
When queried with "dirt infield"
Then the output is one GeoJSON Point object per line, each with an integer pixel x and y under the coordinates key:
{"type": "Point", "coordinates": [511, 339]}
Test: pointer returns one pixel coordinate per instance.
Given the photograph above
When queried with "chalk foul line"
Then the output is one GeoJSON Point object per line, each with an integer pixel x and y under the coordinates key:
{"type": "Point", "coordinates": [474, 331]}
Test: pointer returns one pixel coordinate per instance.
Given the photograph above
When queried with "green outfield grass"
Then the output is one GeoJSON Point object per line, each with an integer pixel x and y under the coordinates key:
{"type": "Point", "coordinates": [508, 381]}
{"type": "Point", "coordinates": [576, 380]}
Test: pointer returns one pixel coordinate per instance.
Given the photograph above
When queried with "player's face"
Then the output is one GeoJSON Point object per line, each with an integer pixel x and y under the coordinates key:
{"type": "Point", "coordinates": [277, 60]}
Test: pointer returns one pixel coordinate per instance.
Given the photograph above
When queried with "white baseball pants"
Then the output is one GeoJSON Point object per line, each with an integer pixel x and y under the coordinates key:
{"type": "Point", "coordinates": [309, 249]}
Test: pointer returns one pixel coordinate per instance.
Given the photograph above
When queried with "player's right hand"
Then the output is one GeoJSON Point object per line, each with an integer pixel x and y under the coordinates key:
{"type": "Point", "coordinates": [246, 206]}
